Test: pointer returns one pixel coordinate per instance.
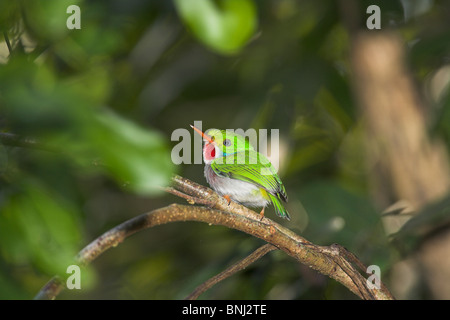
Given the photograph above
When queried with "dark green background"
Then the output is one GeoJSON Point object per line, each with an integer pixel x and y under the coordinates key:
{"type": "Point", "coordinates": [107, 97]}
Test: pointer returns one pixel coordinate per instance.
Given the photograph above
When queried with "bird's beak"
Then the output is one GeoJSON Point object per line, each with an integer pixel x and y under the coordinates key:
{"type": "Point", "coordinates": [205, 136]}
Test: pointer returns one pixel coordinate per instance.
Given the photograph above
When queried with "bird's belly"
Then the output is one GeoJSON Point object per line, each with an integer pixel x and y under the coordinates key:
{"type": "Point", "coordinates": [242, 192]}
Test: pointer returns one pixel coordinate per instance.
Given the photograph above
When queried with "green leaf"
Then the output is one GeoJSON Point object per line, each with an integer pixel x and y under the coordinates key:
{"type": "Point", "coordinates": [47, 19]}
{"type": "Point", "coordinates": [138, 158]}
{"type": "Point", "coordinates": [225, 28]}
{"type": "Point", "coordinates": [37, 225]}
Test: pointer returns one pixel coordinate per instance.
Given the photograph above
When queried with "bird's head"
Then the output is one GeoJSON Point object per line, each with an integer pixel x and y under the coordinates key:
{"type": "Point", "coordinates": [221, 143]}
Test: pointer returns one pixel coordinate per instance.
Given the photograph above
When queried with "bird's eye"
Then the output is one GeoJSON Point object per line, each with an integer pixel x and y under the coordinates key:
{"type": "Point", "coordinates": [227, 142]}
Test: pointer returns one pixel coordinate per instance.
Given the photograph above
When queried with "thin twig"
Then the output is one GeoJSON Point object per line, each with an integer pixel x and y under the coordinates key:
{"type": "Point", "coordinates": [51, 289]}
{"type": "Point", "coordinates": [190, 199]}
{"type": "Point", "coordinates": [8, 43]}
{"type": "Point", "coordinates": [238, 266]}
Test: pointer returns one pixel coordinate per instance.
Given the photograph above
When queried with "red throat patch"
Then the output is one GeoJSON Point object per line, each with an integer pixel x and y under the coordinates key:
{"type": "Point", "coordinates": [209, 151]}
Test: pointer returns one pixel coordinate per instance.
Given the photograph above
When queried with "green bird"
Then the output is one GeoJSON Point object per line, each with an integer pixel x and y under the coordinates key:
{"type": "Point", "coordinates": [235, 170]}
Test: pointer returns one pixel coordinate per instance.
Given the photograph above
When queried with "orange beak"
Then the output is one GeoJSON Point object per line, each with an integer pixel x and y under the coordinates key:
{"type": "Point", "coordinates": [206, 137]}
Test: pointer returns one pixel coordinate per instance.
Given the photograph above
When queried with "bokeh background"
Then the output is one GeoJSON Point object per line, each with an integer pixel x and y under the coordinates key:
{"type": "Point", "coordinates": [364, 120]}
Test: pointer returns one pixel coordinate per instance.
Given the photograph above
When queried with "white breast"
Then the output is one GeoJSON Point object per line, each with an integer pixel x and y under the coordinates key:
{"type": "Point", "coordinates": [242, 192]}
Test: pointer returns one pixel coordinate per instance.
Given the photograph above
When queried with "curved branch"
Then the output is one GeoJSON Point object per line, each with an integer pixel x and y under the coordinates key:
{"type": "Point", "coordinates": [326, 260]}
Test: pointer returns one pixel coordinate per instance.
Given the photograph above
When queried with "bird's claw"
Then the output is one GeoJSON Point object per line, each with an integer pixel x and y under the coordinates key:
{"type": "Point", "coordinates": [227, 197]}
{"type": "Point", "coordinates": [262, 214]}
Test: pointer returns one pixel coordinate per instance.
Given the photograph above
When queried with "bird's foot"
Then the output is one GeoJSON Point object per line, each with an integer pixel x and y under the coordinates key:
{"type": "Point", "coordinates": [227, 197]}
{"type": "Point", "coordinates": [262, 214]}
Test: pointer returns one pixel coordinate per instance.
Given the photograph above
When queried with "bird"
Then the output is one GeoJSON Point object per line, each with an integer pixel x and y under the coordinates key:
{"type": "Point", "coordinates": [236, 171]}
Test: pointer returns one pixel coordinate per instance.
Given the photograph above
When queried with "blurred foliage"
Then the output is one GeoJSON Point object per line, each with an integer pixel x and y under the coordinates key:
{"type": "Point", "coordinates": [225, 29]}
{"type": "Point", "coordinates": [106, 98]}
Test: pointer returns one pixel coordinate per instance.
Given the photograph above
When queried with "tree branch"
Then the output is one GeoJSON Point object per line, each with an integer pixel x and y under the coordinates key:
{"type": "Point", "coordinates": [330, 261]}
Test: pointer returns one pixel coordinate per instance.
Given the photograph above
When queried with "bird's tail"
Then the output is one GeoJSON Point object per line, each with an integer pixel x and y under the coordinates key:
{"type": "Point", "coordinates": [279, 208]}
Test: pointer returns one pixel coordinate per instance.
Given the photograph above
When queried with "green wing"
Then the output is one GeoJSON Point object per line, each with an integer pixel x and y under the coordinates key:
{"type": "Point", "coordinates": [253, 167]}
{"type": "Point", "coordinates": [279, 208]}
